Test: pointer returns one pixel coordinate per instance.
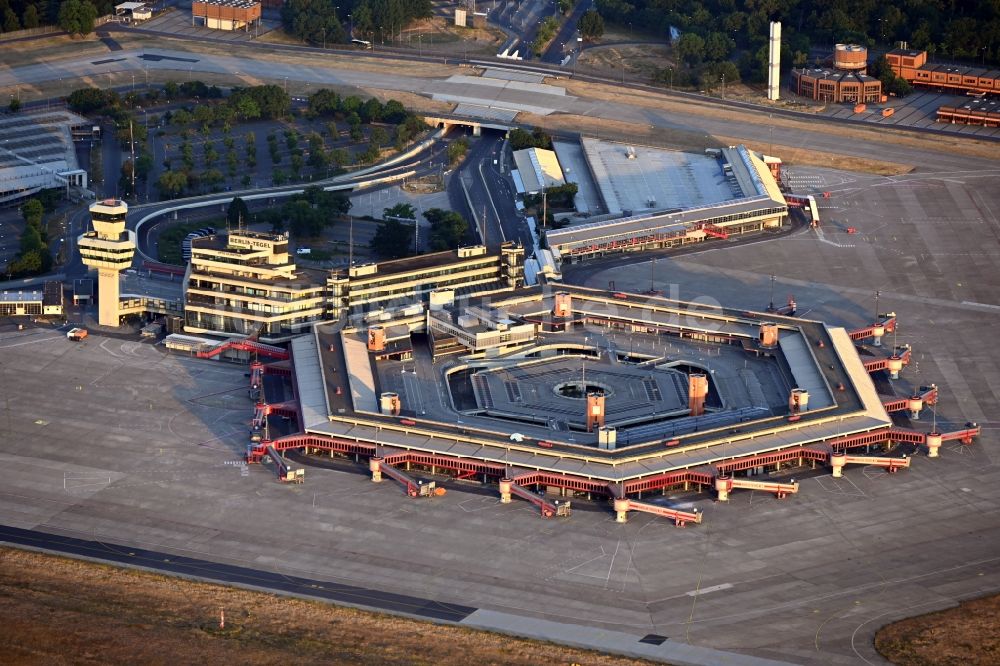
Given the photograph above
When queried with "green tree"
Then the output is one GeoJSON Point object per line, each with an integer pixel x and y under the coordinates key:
{"type": "Point", "coordinates": [324, 103]}
{"type": "Point", "coordinates": [212, 177]}
{"type": "Point", "coordinates": [401, 210]}
{"type": "Point", "coordinates": [340, 157]}
{"type": "Point", "coordinates": [77, 17]}
{"type": "Point", "coordinates": [32, 211]}
{"type": "Point", "coordinates": [392, 240]}
{"type": "Point", "coordinates": [379, 136]}
{"type": "Point", "coordinates": [271, 102]}
{"type": "Point", "coordinates": [15, 104]}
{"type": "Point", "coordinates": [317, 151]}
{"type": "Point", "coordinates": [371, 111]}
{"type": "Point", "coordinates": [313, 21]}
{"type": "Point", "coordinates": [448, 228]}
{"type": "Point", "coordinates": [457, 150]}
{"type": "Point", "coordinates": [238, 213]}
{"type": "Point", "coordinates": [718, 47]}
{"type": "Point", "coordinates": [87, 100]}
{"type": "Point", "coordinates": [591, 25]}
{"type": "Point", "coordinates": [203, 114]}
{"type": "Point", "coordinates": [690, 48]}
{"type": "Point", "coordinates": [10, 21]}
{"type": "Point", "coordinates": [143, 164]}
{"type": "Point", "coordinates": [181, 117]}
{"type": "Point", "coordinates": [393, 112]}
{"type": "Point", "coordinates": [172, 183]}
{"type": "Point", "coordinates": [30, 17]}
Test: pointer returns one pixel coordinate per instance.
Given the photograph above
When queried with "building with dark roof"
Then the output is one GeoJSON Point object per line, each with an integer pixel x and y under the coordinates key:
{"type": "Point", "coordinates": [985, 112]}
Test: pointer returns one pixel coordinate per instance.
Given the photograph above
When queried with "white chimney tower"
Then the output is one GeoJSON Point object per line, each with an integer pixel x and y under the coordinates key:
{"type": "Point", "coordinates": [774, 62]}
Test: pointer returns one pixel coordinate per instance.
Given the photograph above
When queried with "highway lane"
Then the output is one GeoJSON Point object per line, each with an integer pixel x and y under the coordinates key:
{"type": "Point", "coordinates": [486, 213]}
{"type": "Point", "coordinates": [566, 37]}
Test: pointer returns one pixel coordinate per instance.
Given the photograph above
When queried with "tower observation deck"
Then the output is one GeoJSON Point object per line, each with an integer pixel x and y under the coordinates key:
{"type": "Point", "coordinates": [109, 249]}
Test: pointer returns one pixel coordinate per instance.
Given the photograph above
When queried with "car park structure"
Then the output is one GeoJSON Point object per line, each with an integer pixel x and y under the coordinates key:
{"type": "Point", "coordinates": [578, 392]}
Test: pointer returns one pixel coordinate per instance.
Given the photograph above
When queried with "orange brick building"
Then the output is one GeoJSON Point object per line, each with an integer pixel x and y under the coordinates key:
{"type": "Point", "coordinates": [830, 85]}
{"type": "Point", "coordinates": [846, 82]}
{"type": "Point", "coordinates": [911, 65]}
{"type": "Point", "coordinates": [225, 14]}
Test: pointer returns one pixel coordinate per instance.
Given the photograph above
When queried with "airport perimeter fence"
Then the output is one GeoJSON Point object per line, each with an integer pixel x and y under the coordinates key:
{"type": "Point", "coordinates": [46, 30]}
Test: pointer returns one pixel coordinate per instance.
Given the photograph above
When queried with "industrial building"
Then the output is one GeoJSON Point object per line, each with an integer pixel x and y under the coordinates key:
{"type": "Point", "coordinates": [537, 169]}
{"type": "Point", "coordinates": [37, 152]}
{"type": "Point", "coordinates": [586, 393]}
{"type": "Point", "coordinates": [133, 12]}
{"type": "Point", "coordinates": [911, 65]}
{"type": "Point", "coordinates": [226, 14]}
{"type": "Point", "coordinates": [686, 197]}
{"type": "Point", "coordinates": [33, 302]}
{"type": "Point", "coordinates": [846, 81]}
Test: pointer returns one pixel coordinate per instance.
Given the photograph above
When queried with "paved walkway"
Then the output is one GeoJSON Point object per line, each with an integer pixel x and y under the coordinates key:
{"type": "Point", "coordinates": [605, 640]}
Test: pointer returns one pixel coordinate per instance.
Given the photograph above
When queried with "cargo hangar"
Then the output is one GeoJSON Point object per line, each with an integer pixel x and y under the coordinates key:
{"type": "Point", "coordinates": [551, 395]}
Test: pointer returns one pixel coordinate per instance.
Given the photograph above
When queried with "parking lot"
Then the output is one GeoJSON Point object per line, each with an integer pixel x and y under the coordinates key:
{"type": "Point", "coordinates": [916, 110]}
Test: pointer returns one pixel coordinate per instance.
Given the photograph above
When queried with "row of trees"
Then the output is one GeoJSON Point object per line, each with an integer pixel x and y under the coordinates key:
{"type": "Point", "coordinates": [394, 237]}
{"type": "Point", "coordinates": [34, 257]}
{"type": "Point", "coordinates": [322, 21]}
{"type": "Point", "coordinates": [15, 15]}
{"type": "Point", "coordinates": [76, 17]}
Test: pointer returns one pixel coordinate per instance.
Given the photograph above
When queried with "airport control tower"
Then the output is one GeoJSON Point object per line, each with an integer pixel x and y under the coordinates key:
{"type": "Point", "coordinates": [109, 248]}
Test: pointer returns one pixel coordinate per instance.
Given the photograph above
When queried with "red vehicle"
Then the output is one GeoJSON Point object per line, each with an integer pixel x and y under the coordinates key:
{"type": "Point", "coordinates": [408, 422]}
{"type": "Point", "coordinates": [793, 418]}
{"type": "Point", "coordinates": [619, 295]}
{"type": "Point", "coordinates": [672, 442]}
{"type": "Point", "coordinates": [545, 445]}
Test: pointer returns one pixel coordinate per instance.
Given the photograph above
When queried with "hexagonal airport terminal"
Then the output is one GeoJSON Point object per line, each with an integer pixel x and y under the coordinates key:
{"type": "Point", "coordinates": [681, 386]}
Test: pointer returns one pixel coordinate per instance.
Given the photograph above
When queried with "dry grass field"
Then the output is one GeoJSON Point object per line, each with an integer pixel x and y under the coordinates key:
{"type": "Point", "coordinates": [61, 611]}
{"type": "Point", "coordinates": [967, 635]}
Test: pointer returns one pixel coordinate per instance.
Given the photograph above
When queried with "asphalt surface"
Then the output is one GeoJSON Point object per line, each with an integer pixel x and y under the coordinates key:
{"type": "Point", "coordinates": [566, 37]}
{"type": "Point", "coordinates": [136, 446]}
{"type": "Point", "coordinates": [221, 573]}
{"type": "Point", "coordinates": [490, 191]}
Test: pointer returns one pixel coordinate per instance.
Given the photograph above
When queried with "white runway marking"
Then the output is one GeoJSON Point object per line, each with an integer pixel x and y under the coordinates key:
{"type": "Point", "coordinates": [706, 590]}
